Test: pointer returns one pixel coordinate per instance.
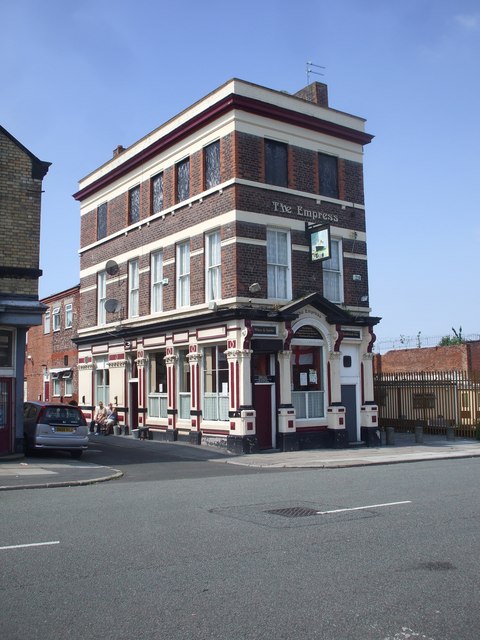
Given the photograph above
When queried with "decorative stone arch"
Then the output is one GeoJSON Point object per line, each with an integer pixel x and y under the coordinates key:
{"type": "Point", "coordinates": [311, 317]}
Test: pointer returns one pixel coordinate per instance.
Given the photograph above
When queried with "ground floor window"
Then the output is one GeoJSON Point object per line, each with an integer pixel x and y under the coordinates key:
{"type": "Point", "coordinates": [308, 393]}
{"type": "Point", "coordinates": [215, 383]}
{"type": "Point", "coordinates": [55, 385]}
{"type": "Point", "coordinates": [157, 385]}
{"type": "Point", "coordinates": [102, 381]}
{"type": "Point", "coordinates": [184, 391]}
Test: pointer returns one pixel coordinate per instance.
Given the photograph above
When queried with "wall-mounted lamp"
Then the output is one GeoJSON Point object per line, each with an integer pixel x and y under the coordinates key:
{"type": "Point", "coordinates": [254, 288]}
{"type": "Point", "coordinates": [115, 399]}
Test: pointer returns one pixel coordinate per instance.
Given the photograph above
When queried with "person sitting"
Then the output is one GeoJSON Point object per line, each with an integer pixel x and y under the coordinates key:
{"type": "Point", "coordinates": [111, 419]}
{"type": "Point", "coordinates": [99, 418]}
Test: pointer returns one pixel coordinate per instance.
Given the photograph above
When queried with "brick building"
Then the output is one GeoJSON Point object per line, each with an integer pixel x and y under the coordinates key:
{"type": "Point", "coordinates": [205, 314]}
{"type": "Point", "coordinates": [51, 362]}
{"type": "Point", "coordinates": [463, 357]}
{"type": "Point", "coordinates": [21, 176]}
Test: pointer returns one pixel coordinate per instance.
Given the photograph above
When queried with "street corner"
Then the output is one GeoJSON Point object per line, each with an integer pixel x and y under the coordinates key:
{"type": "Point", "coordinates": [26, 473]}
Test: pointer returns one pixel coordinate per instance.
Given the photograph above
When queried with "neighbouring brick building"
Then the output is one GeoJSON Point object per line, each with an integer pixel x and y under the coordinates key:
{"type": "Point", "coordinates": [21, 177]}
{"type": "Point", "coordinates": [463, 357]}
{"type": "Point", "coordinates": [223, 275]}
{"type": "Point", "coordinates": [51, 362]}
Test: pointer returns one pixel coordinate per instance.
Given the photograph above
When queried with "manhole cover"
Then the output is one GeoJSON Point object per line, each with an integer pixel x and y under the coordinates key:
{"type": "Point", "coordinates": [293, 512]}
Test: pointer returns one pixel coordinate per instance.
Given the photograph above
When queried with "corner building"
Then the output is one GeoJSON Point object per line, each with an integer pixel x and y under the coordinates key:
{"type": "Point", "coordinates": [203, 316]}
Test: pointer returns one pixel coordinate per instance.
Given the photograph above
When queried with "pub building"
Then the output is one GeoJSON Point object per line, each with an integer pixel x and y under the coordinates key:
{"type": "Point", "coordinates": [223, 276]}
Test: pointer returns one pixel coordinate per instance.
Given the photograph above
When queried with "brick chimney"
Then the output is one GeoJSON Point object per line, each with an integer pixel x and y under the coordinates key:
{"type": "Point", "coordinates": [120, 149]}
{"type": "Point", "coordinates": [316, 92]}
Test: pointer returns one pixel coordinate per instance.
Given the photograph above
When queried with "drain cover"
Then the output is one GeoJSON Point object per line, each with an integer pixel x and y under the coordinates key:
{"type": "Point", "coordinates": [294, 512]}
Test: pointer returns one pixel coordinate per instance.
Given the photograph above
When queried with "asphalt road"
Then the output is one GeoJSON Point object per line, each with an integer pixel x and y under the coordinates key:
{"type": "Point", "coordinates": [203, 550]}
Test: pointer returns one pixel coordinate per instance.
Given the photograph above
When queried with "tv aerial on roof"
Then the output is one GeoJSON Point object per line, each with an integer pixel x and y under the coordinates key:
{"type": "Point", "coordinates": [111, 268]}
{"type": "Point", "coordinates": [112, 305]}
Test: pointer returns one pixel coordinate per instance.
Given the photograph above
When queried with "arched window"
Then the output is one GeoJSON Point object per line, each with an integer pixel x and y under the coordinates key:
{"type": "Point", "coordinates": [307, 371]}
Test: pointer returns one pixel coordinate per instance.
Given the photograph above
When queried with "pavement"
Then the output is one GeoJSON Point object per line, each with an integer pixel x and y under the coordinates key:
{"type": "Point", "coordinates": [49, 472]}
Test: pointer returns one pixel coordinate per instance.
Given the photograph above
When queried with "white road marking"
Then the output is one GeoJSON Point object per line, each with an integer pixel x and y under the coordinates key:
{"type": "Point", "coordinates": [32, 544]}
{"type": "Point", "coordinates": [370, 506]}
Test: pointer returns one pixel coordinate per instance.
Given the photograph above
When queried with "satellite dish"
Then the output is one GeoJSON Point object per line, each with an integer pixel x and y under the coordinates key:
{"type": "Point", "coordinates": [112, 305]}
{"type": "Point", "coordinates": [111, 268]}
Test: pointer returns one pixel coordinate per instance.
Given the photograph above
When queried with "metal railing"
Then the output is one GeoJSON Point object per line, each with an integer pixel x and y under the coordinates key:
{"type": "Point", "coordinates": [435, 400]}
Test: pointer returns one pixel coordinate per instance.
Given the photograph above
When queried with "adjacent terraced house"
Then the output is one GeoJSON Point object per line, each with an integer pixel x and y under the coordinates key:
{"type": "Point", "coordinates": [21, 176]}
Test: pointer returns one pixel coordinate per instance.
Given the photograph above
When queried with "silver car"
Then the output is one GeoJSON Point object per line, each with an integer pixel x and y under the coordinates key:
{"type": "Point", "coordinates": [49, 425]}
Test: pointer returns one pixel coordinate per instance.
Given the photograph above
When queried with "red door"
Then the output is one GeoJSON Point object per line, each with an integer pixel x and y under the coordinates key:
{"type": "Point", "coordinates": [6, 415]}
{"type": "Point", "coordinates": [262, 403]}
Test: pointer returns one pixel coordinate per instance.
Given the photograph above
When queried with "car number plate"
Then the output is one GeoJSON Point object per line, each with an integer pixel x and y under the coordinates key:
{"type": "Point", "coordinates": [64, 429]}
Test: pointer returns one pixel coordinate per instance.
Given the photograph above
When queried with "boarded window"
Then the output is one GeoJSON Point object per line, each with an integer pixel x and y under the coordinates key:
{"type": "Point", "coordinates": [212, 165]}
{"type": "Point", "coordinates": [102, 221]}
{"type": "Point", "coordinates": [157, 193]}
{"type": "Point", "coordinates": [328, 175]}
{"type": "Point", "coordinates": [276, 165]}
{"type": "Point", "coordinates": [134, 205]}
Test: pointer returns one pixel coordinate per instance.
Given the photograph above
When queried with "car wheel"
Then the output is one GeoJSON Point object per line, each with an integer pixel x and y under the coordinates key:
{"type": "Point", "coordinates": [77, 454]}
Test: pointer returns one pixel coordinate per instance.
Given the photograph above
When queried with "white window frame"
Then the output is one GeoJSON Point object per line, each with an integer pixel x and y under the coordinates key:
{"type": "Point", "coordinates": [156, 282]}
{"type": "Point", "coordinates": [333, 273]}
{"type": "Point", "coordinates": [310, 405]}
{"type": "Point", "coordinates": [101, 297]}
{"type": "Point", "coordinates": [215, 403]}
{"type": "Point", "coordinates": [133, 289]}
{"type": "Point", "coordinates": [213, 266]}
{"type": "Point", "coordinates": [68, 386]}
{"type": "Point", "coordinates": [68, 315]}
{"type": "Point", "coordinates": [56, 387]}
{"type": "Point", "coordinates": [56, 319]}
{"type": "Point", "coordinates": [102, 391]}
{"type": "Point", "coordinates": [183, 275]}
{"type": "Point", "coordinates": [276, 269]}
{"type": "Point", "coordinates": [46, 321]}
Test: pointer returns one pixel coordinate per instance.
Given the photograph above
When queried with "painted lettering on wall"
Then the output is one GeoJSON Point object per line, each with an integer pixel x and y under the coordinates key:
{"type": "Point", "coordinates": [311, 214]}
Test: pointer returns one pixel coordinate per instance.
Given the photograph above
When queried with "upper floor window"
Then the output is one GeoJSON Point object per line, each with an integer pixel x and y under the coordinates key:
{"type": "Point", "coordinates": [156, 279]}
{"type": "Point", "coordinates": [102, 221]}
{"type": "Point", "coordinates": [68, 316]}
{"type": "Point", "coordinates": [328, 175]}
{"type": "Point", "coordinates": [46, 321]}
{"type": "Point", "coordinates": [213, 266]}
{"type": "Point", "coordinates": [6, 349]}
{"type": "Point", "coordinates": [183, 275]}
{"type": "Point", "coordinates": [157, 193]}
{"type": "Point", "coordinates": [134, 205]}
{"type": "Point", "coordinates": [183, 180]}
{"type": "Point", "coordinates": [101, 296]}
{"type": "Point", "coordinates": [332, 273]}
{"type": "Point", "coordinates": [212, 164]}
{"type": "Point", "coordinates": [278, 264]}
{"type": "Point", "coordinates": [133, 288]}
{"type": "Point", "coordinates": [276, 163]}
{"type": "Point", "coordinates": [56, 318]}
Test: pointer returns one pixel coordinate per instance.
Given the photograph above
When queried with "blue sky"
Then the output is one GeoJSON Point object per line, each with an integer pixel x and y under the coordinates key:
{"type": "Point", "coordinates": [80, 77]}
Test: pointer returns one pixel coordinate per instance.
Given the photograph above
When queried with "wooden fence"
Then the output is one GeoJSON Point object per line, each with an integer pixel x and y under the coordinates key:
{"type": "Point", "coordinates": [435, 400]}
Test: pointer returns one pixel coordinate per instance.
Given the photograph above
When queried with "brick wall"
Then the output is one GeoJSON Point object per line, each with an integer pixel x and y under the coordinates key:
{"type": "Point", "coordinates": [241, 155]}
{"type": "Point", "coordinates": [19, 216]}
{"type": "Point", "coordinates": [462, 357]}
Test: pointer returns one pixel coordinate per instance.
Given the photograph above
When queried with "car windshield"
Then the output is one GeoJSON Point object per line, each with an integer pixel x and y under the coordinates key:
{"type": "Point", "coordinates": [63, 415]}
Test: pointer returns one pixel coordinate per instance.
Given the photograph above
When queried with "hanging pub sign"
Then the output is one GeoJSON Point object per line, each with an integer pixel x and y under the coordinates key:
{"type": "Point", "coordinates": [319, 242]}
